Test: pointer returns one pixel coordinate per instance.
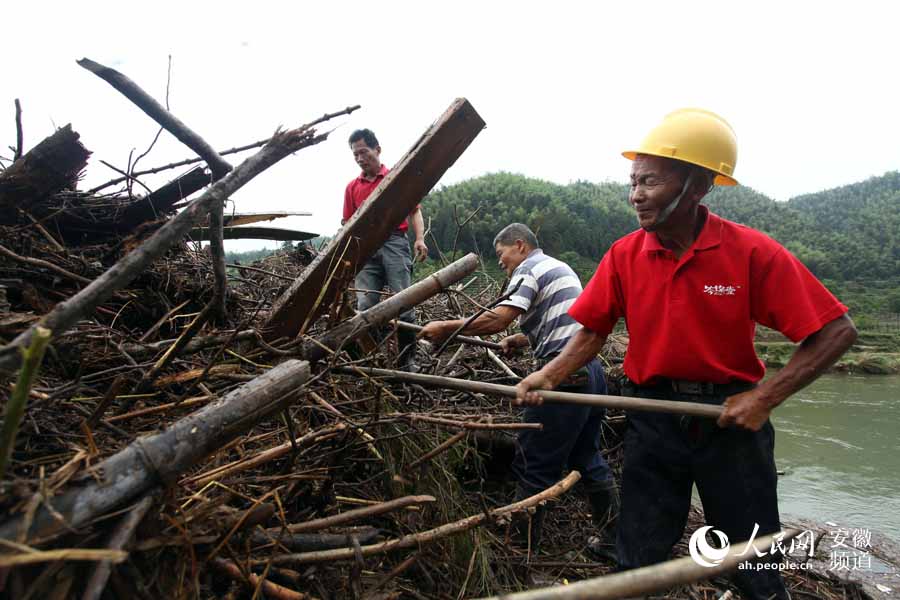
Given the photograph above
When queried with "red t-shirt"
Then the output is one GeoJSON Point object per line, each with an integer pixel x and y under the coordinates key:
{"type": "Point", "coordinates": [359, 190]}
{"type": "Point", "coordinates": [694, 318]}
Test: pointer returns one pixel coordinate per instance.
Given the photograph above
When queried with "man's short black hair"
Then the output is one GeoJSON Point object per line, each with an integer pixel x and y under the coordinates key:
{"type": "Point", "coordinates": [365, 135]}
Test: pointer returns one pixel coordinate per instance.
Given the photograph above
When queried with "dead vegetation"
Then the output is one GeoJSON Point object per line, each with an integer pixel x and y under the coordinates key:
{"type": "Point", "coordinates": [177, 442]}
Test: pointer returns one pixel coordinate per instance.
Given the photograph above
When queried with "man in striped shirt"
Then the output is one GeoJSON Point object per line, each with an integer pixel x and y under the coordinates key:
{"type": "Point", "coordinates": [545, 288]}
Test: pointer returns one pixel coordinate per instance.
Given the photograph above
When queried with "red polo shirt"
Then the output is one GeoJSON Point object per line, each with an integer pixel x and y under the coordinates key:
{"type": "Point", "coordinates": [694, 318]}
{"type": "Point", "coordinates": [359, 190]}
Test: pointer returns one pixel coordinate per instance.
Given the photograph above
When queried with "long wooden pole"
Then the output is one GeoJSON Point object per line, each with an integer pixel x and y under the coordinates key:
{"type": "Point", "coordinates": [694, 409]}
{"type": "Point", "coordinates": [655, 578]}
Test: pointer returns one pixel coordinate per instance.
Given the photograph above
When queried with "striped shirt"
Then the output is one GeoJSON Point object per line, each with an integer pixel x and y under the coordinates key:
{"type": "Point", "coordinates": [549, 287]}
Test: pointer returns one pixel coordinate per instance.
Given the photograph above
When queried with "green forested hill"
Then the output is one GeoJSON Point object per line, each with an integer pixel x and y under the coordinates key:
{"type": "Point", "coordinates": [847, 233]}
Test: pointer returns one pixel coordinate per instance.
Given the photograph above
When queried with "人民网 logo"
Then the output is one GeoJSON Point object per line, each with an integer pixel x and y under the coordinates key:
{"type": "Point", "coordinates": [704, 554]}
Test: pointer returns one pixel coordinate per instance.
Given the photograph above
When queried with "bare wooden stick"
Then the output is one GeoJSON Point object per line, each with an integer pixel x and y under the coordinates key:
{"type": "Point", "coordinates": [43, 264]}
{"type": "Point", "coordinates": [31, 558]}
{"type": "Point", "coordinates": [652, 579]}
{"type": "Point", "coordinates": [158, 113]}
{"type": "Point", "coordinates": [217, 254]}
{"type": "Point", "coordinates": [472, 341]}
{"type": "Point", "coordinates": [189, 332]}
{"type": "Point", "coordinates": [695, 409]}
{"type": "Point", "coordinates": [163, 457]}
{"type": "Point", "coordinates": [355, 515]}
{"type": "Point", "coordinates": [265, 456]}
{"type": "Point", "coordinates": [272, 590]}
{"type": "Point", "coordinates": [19, 137]}
{"type": "Point", "coordinates": [446, 445]}
{"type": "Point", "coordinates": [475, 315]}
{"type": "Point", "coordinates": [67, 313]}
{"type": "Point", "coordinates": [193, 161]}
{"type": "Point", "coordinates": [123, 533]}
{"type": "Point", "coordinates": [218, 165]}
{"type": "Point", "coordinates": [503, 366]}
{"type": "Point", "coordinates": [425, 537]}
{"type": "Point", "coordinates": [470, 425]}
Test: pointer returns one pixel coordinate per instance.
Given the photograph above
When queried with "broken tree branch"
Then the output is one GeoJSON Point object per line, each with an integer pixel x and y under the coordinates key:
{"type": "Point", "coordinates": [695, 409]}
{"type": "Point", "coordinates": [355, 514]}
{"type": "Point", "coordinates": [120, 537]}
{"type": "Point", "coordinates": [19, 136]}
{"type": "Point", "coordinates": [218, 165]}
{"type": "Point", "coordinates": [43, 264]}
{"type": "Point", "coordinates": [417, 539]}
{"type": "Point", "coordinates": [67, 313]}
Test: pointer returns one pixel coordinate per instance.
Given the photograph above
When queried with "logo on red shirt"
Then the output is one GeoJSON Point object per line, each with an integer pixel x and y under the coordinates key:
{"type": "Point", "coordinates": [720, 290]}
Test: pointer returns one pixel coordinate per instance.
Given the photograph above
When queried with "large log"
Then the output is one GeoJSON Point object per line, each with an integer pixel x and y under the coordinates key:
{"type": "Point", "coordinates": [367, 230]}
{"type": "Point", "coordinates": [159, 203]}
{"type": "Point", "coordinates": [49, 167]}
{"type": "Point", "coordinates": [164, 457]}
{"type": "Point", "coordinates": [388, 309]}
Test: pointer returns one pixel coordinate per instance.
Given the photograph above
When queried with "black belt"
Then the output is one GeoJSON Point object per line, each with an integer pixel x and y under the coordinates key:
{"type": "Point", "coordinates": [696, 388]}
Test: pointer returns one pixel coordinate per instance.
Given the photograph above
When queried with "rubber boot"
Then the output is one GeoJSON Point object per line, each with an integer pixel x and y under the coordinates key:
{"type": "Point", "coordinates": [604, 501]}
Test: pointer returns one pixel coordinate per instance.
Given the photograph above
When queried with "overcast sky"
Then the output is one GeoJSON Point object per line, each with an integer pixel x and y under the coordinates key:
{"type": "Point", "coordinates": [811, 88]}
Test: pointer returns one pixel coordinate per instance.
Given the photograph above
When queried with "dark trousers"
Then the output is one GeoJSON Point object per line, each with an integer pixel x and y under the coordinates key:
{"type": "Point", "coordinates": [390, 265]}
{"type": "Point", "coordinates": [734, 470]}
{"type": "Point", "coordinates": [570, 437]}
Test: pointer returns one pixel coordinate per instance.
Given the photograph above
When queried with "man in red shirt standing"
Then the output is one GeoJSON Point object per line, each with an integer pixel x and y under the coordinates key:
{"type": "Point", "coordinates": [692, 287]}
{"type": "Point", "coordinates": [392, 263]}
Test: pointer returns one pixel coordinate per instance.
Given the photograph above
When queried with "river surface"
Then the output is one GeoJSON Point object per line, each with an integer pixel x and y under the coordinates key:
{"type": "Point", "coordinates": [838, 443]}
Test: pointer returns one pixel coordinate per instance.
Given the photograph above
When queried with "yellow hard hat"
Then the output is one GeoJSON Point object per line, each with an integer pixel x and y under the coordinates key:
{"type": "Point", "coordinates": [695, 136]}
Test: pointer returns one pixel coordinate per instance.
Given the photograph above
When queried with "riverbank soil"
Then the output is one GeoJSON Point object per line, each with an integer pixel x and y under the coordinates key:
{"type": "Point", "coordinates": [874, 353]}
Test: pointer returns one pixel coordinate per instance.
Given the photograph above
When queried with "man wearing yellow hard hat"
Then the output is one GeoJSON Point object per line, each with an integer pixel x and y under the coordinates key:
{"type": "Point", "coordinates": [692, 287]}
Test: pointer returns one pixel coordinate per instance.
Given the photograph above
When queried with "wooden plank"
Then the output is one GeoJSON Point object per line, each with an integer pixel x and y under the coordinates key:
{"type": "Point", "coordinates": [254, 233]}
{"type": "Point", "coordinates": [247, 218]}
{"type": "Point", "coordinates": [367, 230]}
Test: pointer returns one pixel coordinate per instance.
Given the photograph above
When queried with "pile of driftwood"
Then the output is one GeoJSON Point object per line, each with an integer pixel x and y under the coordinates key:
{"type": "Point", "coordinates": [175, 428]}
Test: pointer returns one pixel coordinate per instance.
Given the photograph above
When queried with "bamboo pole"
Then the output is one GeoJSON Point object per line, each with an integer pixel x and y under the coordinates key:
{"type": "Point", "coordinates": [652, 579]}
{"type": "Point", "coordinates": [695, 409]}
